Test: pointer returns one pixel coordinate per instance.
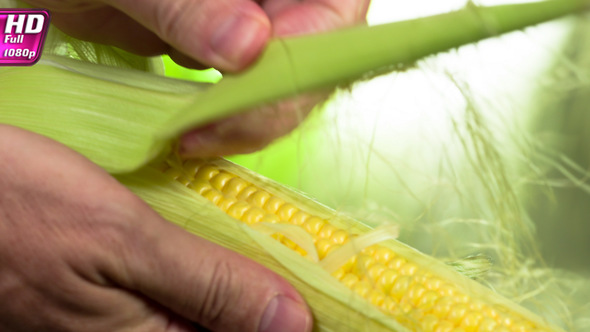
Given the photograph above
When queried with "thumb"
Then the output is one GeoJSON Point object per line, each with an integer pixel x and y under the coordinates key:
{"type": "Point", "coordinates": [209, 284]}
{"type": "Point", "coordinates": [225, 34]}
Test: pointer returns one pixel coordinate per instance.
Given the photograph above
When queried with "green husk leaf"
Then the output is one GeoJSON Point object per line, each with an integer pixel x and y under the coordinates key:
{"type": "Point", "coordinates": [111, 115]}
{"type": "Point", "coordinates": [122, 117]}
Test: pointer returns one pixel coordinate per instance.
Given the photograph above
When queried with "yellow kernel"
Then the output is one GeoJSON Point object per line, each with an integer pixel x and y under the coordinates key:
{"type": "Point", "coordinates": [286, 211]}
{"type": "Point", "coordinates": [400, 286]}
{"type": "Point", "coordinates": [332, 248]}
{"type": "Point", "coordinates": [220, 180]}
{"type": "Point", "coordinates": [444, 326]}
{"type": "Point", "coordinates": [259, 198]}
{"type": "Point", "coordinates": [273, 204]}
{"type": "Point", "coordinates": [322, 247]}
{"type": "Point", "coordinates": [447, 290]}
{"type": "Point", "coordinates": [442, 307]}
{"type": "Point", "coordinates": [522, 326]}
{"type": "Point", "coordinates": [433, 283]}
{"type": "Point", "coordinates": [416, 313]}
{"type": "Point", "coordinates": [462, 298]}
{"type": "Point", "coordinates": [387, 279]}
{"type": "Point", "coordinates": [270, 218]}
{"type": "Point", "coordinates": [237, 210]}
{"type": "Point", "coordinates": [340, 236]}
{"type": "Point", "coordinates": [471, 321]}
{"type": "Point", "coordinates": [350, 264]}
{"type": "Point", "coordinates": [339, 274]}
{"type": "Point", "coordinates": [476, 305]}
{"type": "Point", "coordinates": [349, 280]}
{"type": "Point", "coordinates": [278, 236]}
{"type": "Point", "coordinates": [213, 196]}
{"type": "Point", "coordinates": [289, 244]}
{"type": "Point", "coordinates": [364, 263]}
{"type": "Point", "coordinates": [376, 297]}
{"type": "Point", "coordinates": [253, 215]}
{"type": "Point", "coordinates": [300, 251]}
{"type": "Point", "coordinates": [408, 269]}
{"type": "Point", "coordinates": [383, 255]}
{"type": "Point", "coordinates": [234, 187]}
{"type": "Point", "coordinates": [375, 271]}
{"type": "Point", "coordinates": [199, 186]}
{"type": "Point", "coordinates": [389, 305]}
{"type": "Point", "coordinates": [173, 173]}
{"type": "Point", "coordinates": [414, 293]}
{"type": "Point", "coordinates": [487, 325]}
{"type": "Point", "coordinates": [446, 300]}
{"type": "Point", "coordinates": [406, 307]}
{"type": "Point", "coordinates": [362, 288]}
{"type": "Point", "coordinates": [191, 166]}
{"type": "Point", "coordinates": [226, 203]}
{"type": "Point", "coordinates": [206, 173]}
{"type": "Point", "coordinates": [396, 263]}
{"type": "Point", "coordinates": [420, 278]}
{"type": "Point", "coordinates": [490, 312]}
{"type": "Point", "coordinates": [184, 180]}
{"type": "Point", "coordinates": [245, 194]}
{"type": "Point", "coordinates": [369, 251]}
{"type": "Point", "coordinates": [428, 322]}
{"type": "Point", "coordinates": [327, 231]}
{"type": "Point", "coordinates": [505, 320]}
{"type": "Point", "coordinates": [313, 225]}
{"type": "Point", "coordinates": [299, 218]}
{"type": "Point", "coordinates": [457, 312]}
{"type": "Point", "coordinates": [428, 299]}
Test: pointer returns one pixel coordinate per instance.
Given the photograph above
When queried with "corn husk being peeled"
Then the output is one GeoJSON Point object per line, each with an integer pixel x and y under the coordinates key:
{"type": "Point", "coordinates": [120, 112]}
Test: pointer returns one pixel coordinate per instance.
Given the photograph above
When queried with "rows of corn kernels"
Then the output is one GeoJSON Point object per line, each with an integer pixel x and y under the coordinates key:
{"type": "Point", "coordinates": [409, 293]}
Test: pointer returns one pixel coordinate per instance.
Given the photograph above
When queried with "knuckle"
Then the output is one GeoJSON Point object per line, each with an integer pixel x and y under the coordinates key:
{"type": "Point", "coordinates": [222, 293]}
{"type": "Point", "coordinates": [169, 18]}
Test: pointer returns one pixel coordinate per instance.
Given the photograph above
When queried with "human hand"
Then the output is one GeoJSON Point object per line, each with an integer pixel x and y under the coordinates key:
{"type": "Point", "coordinates": [225, 34]}
{"type": "Point", "coordinates": [79, 252]}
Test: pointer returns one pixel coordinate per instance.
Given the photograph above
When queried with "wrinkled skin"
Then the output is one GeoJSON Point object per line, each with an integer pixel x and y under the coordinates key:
{"type": "Point", "coordinates": [200, 33]}
{"type": "Point", "coordinates": [79, 252]}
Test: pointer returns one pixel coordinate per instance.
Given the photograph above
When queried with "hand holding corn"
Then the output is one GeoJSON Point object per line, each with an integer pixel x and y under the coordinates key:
{"type": "Point", "coordinates": [227, 35]}
{"type": "Point", "coordinates": [79, 252]}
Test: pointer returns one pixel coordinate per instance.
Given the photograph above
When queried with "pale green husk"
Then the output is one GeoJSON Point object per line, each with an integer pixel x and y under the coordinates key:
{"type": "Point", "coordinates": [121, 119]}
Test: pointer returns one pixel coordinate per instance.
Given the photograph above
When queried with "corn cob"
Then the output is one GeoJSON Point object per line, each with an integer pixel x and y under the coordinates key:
{"type": "Point", "coordinates": [416, 291]}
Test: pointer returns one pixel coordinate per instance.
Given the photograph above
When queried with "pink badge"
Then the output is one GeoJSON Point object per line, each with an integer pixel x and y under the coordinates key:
{"type": "Point", "coordinates": [22, 35]}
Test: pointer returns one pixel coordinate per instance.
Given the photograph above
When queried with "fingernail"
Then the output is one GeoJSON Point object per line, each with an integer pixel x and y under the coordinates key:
{"type": "Point", "coordinates": [239, 39]}
{"type": "Point", "coordinates": [285, 315]}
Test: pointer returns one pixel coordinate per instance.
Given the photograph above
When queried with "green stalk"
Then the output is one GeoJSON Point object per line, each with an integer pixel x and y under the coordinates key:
{"type": "Point", "coordinates": [123, 118]}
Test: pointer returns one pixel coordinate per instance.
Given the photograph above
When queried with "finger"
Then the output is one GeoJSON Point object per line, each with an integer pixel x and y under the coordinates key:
{"type": "Point", "coordinates": [208, 284]}
{"type": "Point", "coordinates": [62, 218]}
{"type": "Point", "coordinates": [225, 34]}
{"type": "Point", "coordinates": [296, 17]}
{"type": "Point", "coordinates": [249, 131]}
{"type": "Point", "coordinates": [106, 25]}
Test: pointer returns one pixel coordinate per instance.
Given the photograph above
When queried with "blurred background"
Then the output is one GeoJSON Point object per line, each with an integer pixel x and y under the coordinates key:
{"type": "Point", "coordinates": [483, 149]}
